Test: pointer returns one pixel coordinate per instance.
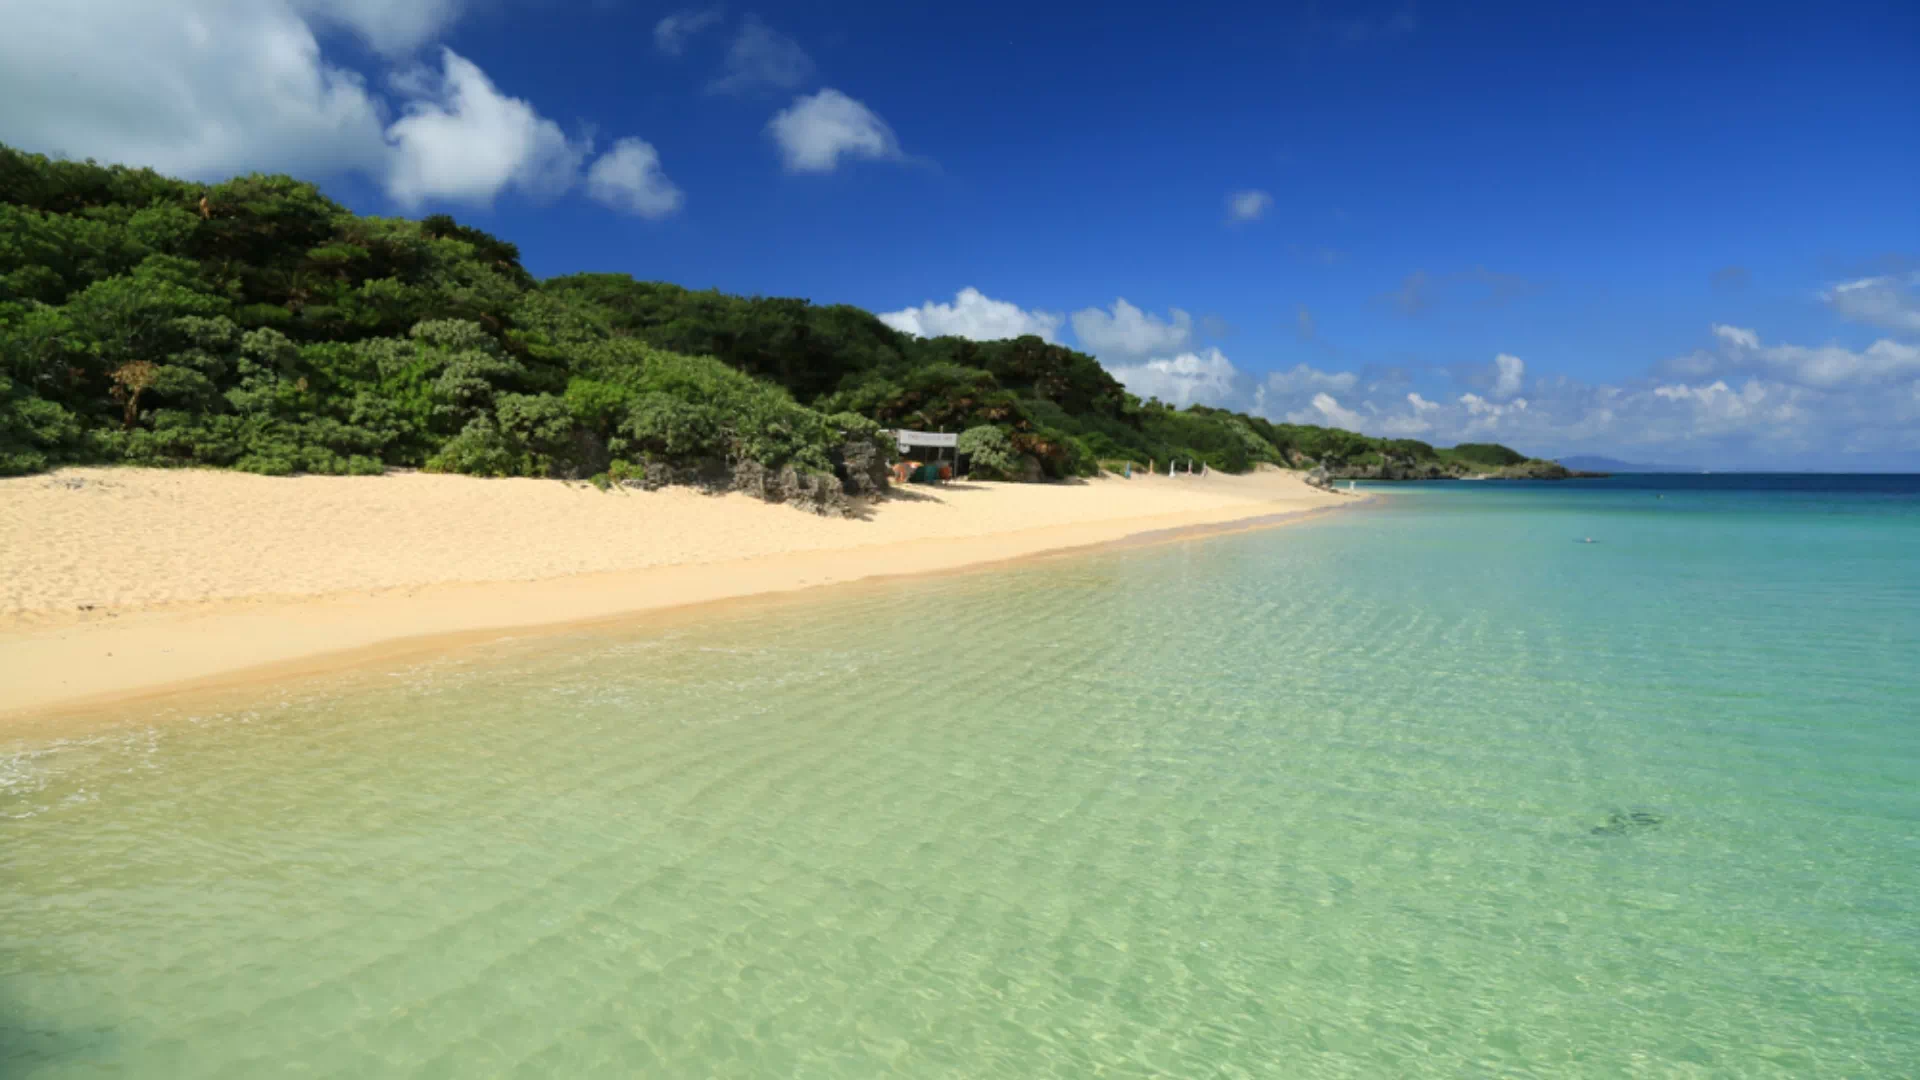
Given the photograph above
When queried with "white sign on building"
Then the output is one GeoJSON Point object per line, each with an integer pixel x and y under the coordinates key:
{"type": "Point", "coordinates": [925, 438]}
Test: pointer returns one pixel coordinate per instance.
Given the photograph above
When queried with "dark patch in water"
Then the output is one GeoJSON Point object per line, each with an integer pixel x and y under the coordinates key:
{"type": "Point", "coordinates": [1622, 823]}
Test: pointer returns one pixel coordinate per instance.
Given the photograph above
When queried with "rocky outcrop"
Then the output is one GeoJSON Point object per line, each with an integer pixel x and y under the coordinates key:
{"type": "Point", "coordinates": [861, 468]}
{"type": "Point", "coordinates": [1396, 470]}
{"type": "Point", "coordinates": [816, 492]}
{"type": "Point", "coordinates": [1545, 470]}
{"type": "Point", "coordinates": [1434, 469]}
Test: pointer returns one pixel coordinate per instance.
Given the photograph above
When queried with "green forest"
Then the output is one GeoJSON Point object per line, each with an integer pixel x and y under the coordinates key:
{"type": "Point", "coordinates": [257, 325]}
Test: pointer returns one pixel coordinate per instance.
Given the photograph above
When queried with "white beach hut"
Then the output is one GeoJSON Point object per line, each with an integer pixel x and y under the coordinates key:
{"type": "Point", "coordinates": [943, 444]}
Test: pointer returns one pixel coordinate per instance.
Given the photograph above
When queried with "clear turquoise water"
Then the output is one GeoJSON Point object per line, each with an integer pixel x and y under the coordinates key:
{"type": "Point", "coordinates": [1313, 802]}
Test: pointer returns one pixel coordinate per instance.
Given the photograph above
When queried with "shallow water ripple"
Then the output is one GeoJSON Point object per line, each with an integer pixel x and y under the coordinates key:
{"type": "Point", "coordinates": [1330, 801]}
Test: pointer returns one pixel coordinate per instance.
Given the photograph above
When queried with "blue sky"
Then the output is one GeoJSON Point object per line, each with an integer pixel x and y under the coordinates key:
{"type": "Point", "coordinates": [1675, 235]}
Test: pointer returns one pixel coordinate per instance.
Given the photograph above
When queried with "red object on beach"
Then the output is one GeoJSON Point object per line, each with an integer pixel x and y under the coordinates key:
{"type": "Point", "coordinates": [946, 472]}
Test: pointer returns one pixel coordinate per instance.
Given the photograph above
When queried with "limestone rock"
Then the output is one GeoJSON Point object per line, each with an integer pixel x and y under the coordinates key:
{"type": "Point", "coordinates": [861, 468]}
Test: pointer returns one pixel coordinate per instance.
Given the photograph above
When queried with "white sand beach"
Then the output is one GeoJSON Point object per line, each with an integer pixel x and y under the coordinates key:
{"type": "Point", "coordinates": [124, 582]}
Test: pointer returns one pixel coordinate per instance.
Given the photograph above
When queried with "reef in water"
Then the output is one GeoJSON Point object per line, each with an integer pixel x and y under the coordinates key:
{"type": "Point", "coordinates": [1622, 822]}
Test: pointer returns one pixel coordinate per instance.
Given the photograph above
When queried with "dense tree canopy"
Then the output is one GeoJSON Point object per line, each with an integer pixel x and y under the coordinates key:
{"type": "Point", "coordinates": [256, 324]}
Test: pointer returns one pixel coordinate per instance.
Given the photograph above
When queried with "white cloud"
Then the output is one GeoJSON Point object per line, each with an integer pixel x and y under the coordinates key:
{"type": "Point", "coordinates": [1890, 302]}
{"type": "Point", "coordinates": [671, 34]}
{"type": "Point", "coordinates": [1722, 420]}
{"type": "Point", "coordinates": [1190, 378]}
{"type": "Point", "coordinates": [1822, 366]}
{"type": "Point", "coordinates": [1292, 393]}
{"type": "Point", "coordinates": [1408, 425]}
{"type": "Point", "coordinates": [628, 177]}
{"type": "Point", "coordinates": [976, 316]}
{"type": "Point", "coordinates": [204, 89]}
{"type": "Point", "coordinates": [818, 129]}
{"type": "Point", "coordinates": [464, 140]}
{"type": "Point", "coordinates": [1803, 406]}
{"type": "Point", "coordinates": [1326, 410]}
{"type": "Point", "coordinates": [1803, 401]}
{"type": "Point", "coordinates": [762, 58]}
{"type": "Point", "coordinates": [1248, 205]}
{"type": "Point", "coordinates": [391, 27]}
{"type": "Point", "coordinates": [1126, 331]}
{"type": "Point", "coordinates": [1831, 365]}
{"type": "Point", "coordinates": [1719, 421]}
{"type": "Point", "coordinates": [207, 89]}
{"type": "Point", "coordinates": [1302, 379]}
{"type": "Point", "coordinates": [1717, 408]}
{"type": "Point", "coordinates": [1485, 417]}
{"type": "Point", "coordinates": [1510, 374]}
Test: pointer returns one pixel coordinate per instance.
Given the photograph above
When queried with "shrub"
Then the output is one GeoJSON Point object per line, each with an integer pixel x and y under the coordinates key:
{"type": "Point", "coordinates": [271, 329]}
{"type": "Point", "coordinates": [990, 454]}
{"type": "Point", "coordinates": [482, 449]}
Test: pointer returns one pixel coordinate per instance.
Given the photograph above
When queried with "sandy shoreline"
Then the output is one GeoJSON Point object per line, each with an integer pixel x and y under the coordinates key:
{"type": "Point", "coordinates": [119, 584]}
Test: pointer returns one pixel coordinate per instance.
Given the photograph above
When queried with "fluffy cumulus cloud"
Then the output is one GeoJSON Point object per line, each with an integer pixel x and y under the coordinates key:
{"type": "Point", "coordinates": [1826, 367]}
{"type": "Point", "coordinates": [1746, 402]}
{"type": "Point", "coordinates": [201, 88]}
{"type": "Point", "coordinates": [211, 88]}
{"type": "Point", "coordinates": [628, 178]}
{"type": "Point", "coordinates": [1325, 410]}
{"type": "Point", "coordinates": [818, 130]}
{"type": "Point", "coordinates": [974, 315]}
{"type": "Point", "coordinates": [1204, 377]}
{"type": "Point", "coordinates": [1248, 205]}
{"type": "Point", "coordinates": [1411, 423]}
{"type": "Point", "coordinates": [762, 58]}
{"type": "Point", "coordinates": [1125, 331]}
{"type": "Point", "coordinates": [462, 139]}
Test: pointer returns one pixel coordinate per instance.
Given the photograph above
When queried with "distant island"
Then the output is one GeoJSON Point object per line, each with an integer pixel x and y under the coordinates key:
{"type": "Point", "coordinates": [257, 325]}
{"type": "Point", "coordinates": [1468, 461]}
{"type": "Point", "coordinates": [1615, 465]}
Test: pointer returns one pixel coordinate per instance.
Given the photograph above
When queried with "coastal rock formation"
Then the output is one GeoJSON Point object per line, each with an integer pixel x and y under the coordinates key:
{"type": "Point", "coordinates": [1546, 470]}
{"type": "Point", "coordinates": [815, 492]}
{"type": "Point", "coordinates": [1410, 469]}
{"type": "Point", "coordinates": [861, 467]}
{"type": "Point", "coordinates": [1319, 478]}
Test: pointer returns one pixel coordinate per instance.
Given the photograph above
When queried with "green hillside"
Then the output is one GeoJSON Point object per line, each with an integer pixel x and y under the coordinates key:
{"type": "Point", "coordinates": [257, 325]}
